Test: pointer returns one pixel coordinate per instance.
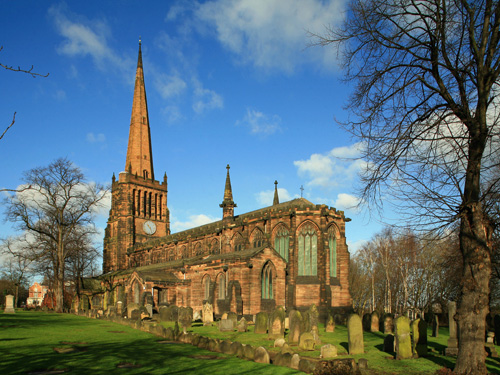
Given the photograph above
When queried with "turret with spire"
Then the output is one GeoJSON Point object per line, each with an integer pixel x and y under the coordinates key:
{"type": "Point", "coordinates": [276, 199]}
{"type": "Point", "coordinates": [139, 152]}
{"type": "Point", "coordinates": [228, 204]}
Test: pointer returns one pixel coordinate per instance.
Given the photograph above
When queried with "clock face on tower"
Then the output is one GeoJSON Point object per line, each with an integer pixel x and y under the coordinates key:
{"type": "Point", "coordinates": [149, 227]}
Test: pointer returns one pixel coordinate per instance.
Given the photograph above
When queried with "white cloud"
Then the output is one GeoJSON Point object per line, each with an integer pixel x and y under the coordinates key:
{"type": "Point", "coordinates": [336, 167]}
{"type": "Point", "coordinates": [346, 202]}
{"type": "Point", "coordinates": [260, 123]}
{"type": "Point", "coordinates": [205, 99]}
{"type": "Point", "coordinates": [169, 85]}
{"type": "Point", "coordinates": [356, 245]}
{"type": "Point", "coordinates": [86, 37]}
{"type": "Point", "coordinates": [272, 33]}
{"type": "Point", "coordinates": [93, 138]}
{"type": "Point", "coordinates": [193, 222]}
{"type": "Point", "coordinates": [265, 198]}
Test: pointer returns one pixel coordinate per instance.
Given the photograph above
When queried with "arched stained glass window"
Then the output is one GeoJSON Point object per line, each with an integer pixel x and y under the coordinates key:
{"type": "Point", "coordinates": [308, 251]}
{"type": "Point", "coordinates": [332, 245]}
{"type": "Point", "coordinates": [282, 241]}
{"type": "Point", "coordinates": [267, 282]}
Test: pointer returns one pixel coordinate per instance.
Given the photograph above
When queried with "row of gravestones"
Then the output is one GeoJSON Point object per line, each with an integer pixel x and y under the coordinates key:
{"type": "Point", "coordinates": [409, 339]}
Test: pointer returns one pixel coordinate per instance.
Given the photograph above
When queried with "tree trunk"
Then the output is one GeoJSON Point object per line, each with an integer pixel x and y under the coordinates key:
{"type": "Point", "coordinates": [474, 298]}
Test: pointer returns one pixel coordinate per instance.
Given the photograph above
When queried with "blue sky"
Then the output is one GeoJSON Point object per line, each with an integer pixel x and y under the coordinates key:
{"type": "Point", "coordinates": [228, 82]}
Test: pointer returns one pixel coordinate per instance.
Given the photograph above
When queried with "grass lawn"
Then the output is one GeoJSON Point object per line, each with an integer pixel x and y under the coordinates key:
{"type": "Point", "coordinates": [379, 362]}
{"type": "Point", "coordinates": [34, 342]}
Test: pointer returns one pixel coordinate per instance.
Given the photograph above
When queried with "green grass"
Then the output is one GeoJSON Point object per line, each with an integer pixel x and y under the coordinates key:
{"type": "Point", "coordinates": [379, 362]}
{"type": "Point", "coordinates": [28, 339]}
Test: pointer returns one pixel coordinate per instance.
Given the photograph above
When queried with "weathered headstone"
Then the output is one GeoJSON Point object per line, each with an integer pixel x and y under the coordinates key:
{"type": "Point", "coordinates": [328, 351]}
{"type": "Point", "coordinates": [9, 304]}
{"type": "Point", "coordinates": [261, 355]}
{"type": "Point", "coordinates": [435, 326]}
{"type": "Point", "coordinates": [261, 321]}
{"type": "Point", "coordinates": [389, 343]}
{"type": "Point", "coordinates": [277, 324]}
{"type": "Point", "coordinates": [330, 324]}
{"type": "Point", "coordinates": [313, 316]}
{"type": "Point", "coordinates": [452, 349]}
{"type": "Point", "coordinates": [149, 308]}
{"type": "Point", "coordinates": [355, 334]}
{"type": "Point", "coordinates": [367, 322]}
{"type": "Point", "coordinates": [306, 341]}
{"type": "Point", "coordinates": [419, 332]}
{"type": "Point", "coordinates": [242, 325]}
{"type": "Point", "coordinates": [185, 318]}
{"type": "Point", "coordinates": [294, 331]}
{"type": "Point", "coordinates": [374, 322]}
{"type": "Point", "coordinates": [119, 308]}
{"type": "Point", "coordinates": [315, 333]}
{"type": "Point", "coordinates": [295, 361]}
{"type": "Point", "coordinates": [197, 315]}
{"type": "Point", "coordinates": [130, 308]}
{"type": "Point", "coordinates": [226, 325]}
{"type": "Point", "coordinates": [490, 346]}
{"type": "Point", "coordinates": [208, 314]}
{"type": "Point", "coordinates": [403, 338]}
{"type": "Point", "coordinates": [388, 324]}
{"type": "Point", "coordinates": [233, 316]}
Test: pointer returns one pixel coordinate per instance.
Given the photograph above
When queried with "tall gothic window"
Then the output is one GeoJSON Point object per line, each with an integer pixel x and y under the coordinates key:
{"type": "Point", "coordinates": [267, 282]}
{"type": "Point", "coordinates": [222, 286]}
{"type": "Point", "coordinates": [258, 238]}
{"type": "Point", "coordinates": [332, 245]}
{"type": "Point", "coordinates": [281, 242]}
{"type": "Point", "coordinates": [206, 287]}
{"type": "Point", "coordinates": [308, 251]}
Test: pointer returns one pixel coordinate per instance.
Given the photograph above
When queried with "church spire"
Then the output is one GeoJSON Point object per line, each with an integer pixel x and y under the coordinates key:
{"type": "Point", "coordinates": [228, 204]}
{"type": "Point", "coordinates": [276, 199]}
{"type": "Point", "coordinates": [139, 152]}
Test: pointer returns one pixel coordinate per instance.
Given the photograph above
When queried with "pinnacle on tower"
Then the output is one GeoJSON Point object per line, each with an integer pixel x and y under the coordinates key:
{"type": "Point", "coordinates": [139, 152]}
{"type": "Point", "coordinates": [276, 199]}
{"type": "Point", "coordinates": [228, 204]}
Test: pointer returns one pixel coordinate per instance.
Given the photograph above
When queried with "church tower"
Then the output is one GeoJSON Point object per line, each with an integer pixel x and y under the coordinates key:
{"type": "Point", "coordinates": [139, 209]}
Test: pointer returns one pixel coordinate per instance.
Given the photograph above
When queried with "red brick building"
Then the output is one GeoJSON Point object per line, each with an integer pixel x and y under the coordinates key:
{"type": "Point", "coordinates": [290, 254]}
{"type": "Point", "coordinates": [36, 294]}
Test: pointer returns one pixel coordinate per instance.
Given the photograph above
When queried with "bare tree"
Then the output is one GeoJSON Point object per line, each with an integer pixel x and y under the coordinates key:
{"type": "Point", "coordinates": [56, 210]}
{"type": "Point", "coordinates": [426, 105]}
{"type": "Point", "coordinates": [19, 69]}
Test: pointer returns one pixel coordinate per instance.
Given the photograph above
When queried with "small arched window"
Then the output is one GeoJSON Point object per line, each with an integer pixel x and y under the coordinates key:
{"type": "Point", "coordinates": [206, 287]}
{"type": "Point", "coordinates": [267, 282]}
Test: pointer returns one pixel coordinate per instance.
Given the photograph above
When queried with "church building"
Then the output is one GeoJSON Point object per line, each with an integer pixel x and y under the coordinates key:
{"type": "Point", "coordinates": [292, 254]}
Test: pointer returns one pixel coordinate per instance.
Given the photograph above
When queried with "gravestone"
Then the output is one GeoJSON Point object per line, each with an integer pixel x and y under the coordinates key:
{"type": "Point", "coordinates": [330, 324]}
{"type": "Point", "coordinates": [277, 324]}
{"type": "Point", "coordinates": [185, 318]}
{"type": "Point", "coordinates": [119, 308]}
{"type": "Point", "coordinates": [149, 308]}
{"type": "Point", "coordinates": [242, 325]}
{"type": "Point", "coordinates": [389, 343]}
{"type": "Point", "coordinates": [419, 332]}
{"type": "Point", "coordinates": [233, 316]}
{"type": "Point", "coordinates": [490, 346]}
{"type": "Point", "coordinates": [315, 333]}
{"type": "Point", "coordinates": [328, 351]}
{"type": "Point", "coordinates": [355, 335]}
{"type": "Point", "coordinates": [208, 314]}
{"type": "Point", "coordinates": [9, 304]}
{"type": "Point", "coordinates": [374, 326]}
{"type": "Point", "coordinates": [164, 313]}
{"type": "Point", "coordinates": [435, 326]}
{"type": "Point", "coordinates": [403, 338]}
{"type": "Point", "coordinates": [130, 308]}
{"type": "Point", "coordinates": [452, 349]}
{"type": "Point", "coordinates": [306, 341]}
{"type": "Point", "coordinates": [294, 331]}
{"type": "Point", "coordinates": [388, 324]}
{"type": "Point", "coordinates": [197, 315]}
{"type": "Point", "coordinates": [313, 316]}
{"type": "Point", "coordinates": [295, 361]}
{"type": "Point", "coordinates": [226, 325]}
{"type": "Point", "coordinates": [261, 321]}
{"type": "Point", "coordinates": [367, 322]}
{"type": "Point", "coordinates": [261, 355]}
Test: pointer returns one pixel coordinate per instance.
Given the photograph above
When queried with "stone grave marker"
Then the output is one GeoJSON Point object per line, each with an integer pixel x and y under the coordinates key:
{"type": "Point", "coordinates": [388, 324]}
{"type": "Point", "coordinates": [374, 322]}
{"type": "Point", "coordinates": [261, 322]}
{"type": "Point", "coordinates": [234, 317]}
{"type": "Point", "coordinates": [355, 335]}
{"type": "Point", "coordinates": [452, 349]}
{"type": "Point", "coordinates": [389, 343]}
{"type": "Point", "coordinates": [9, 304]}
{"type": "Point", "coordinates": [208, 314]}
{"type": "Point", "coordinates": [294, 331]}
{"type": "Point", "coordinates": [185, 318]}
{"type": "Point", "coordinates": [330, 324]}
{"type": "Point", "coordinates": [419, 333]}
{"type": "Point", "coordinates": [328, 351]}
{"type": "Point", "coordinates": [226, 325]}
{"type": "Point", "coordinates": [435, 326]}
{"type": "Point", "coordinates": [277, 324]}
{"type": "Point", "coordinates": [306, 341]}
{"type": "Point", "coordinates": [242, 325]}
{"type": "Point", "coordinates": [403, 338]}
